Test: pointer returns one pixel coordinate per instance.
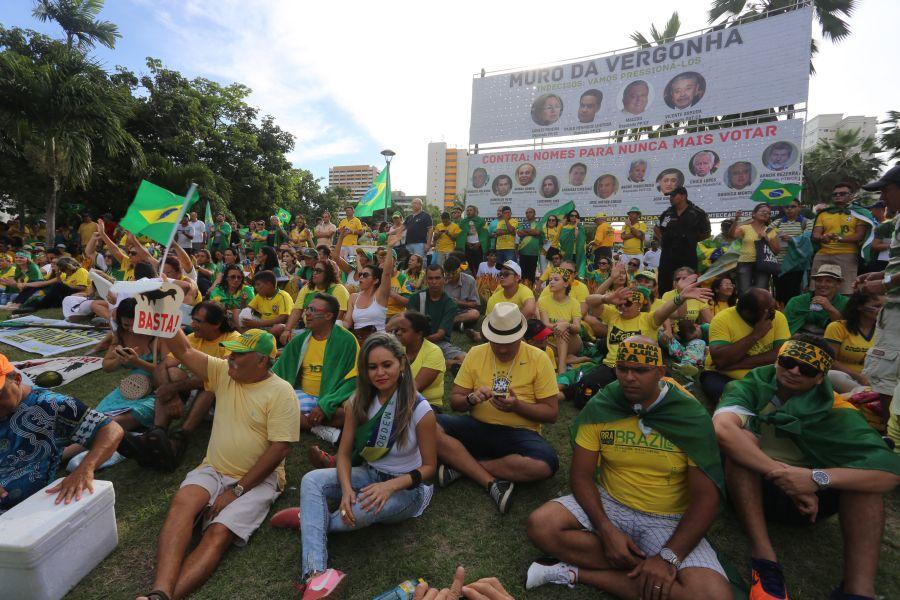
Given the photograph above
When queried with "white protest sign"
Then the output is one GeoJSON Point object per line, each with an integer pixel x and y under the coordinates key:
{"type": "Point", "coordinates": [158, 311]}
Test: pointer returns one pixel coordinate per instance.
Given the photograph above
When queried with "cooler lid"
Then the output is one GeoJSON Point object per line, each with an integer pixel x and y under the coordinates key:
{"type": "Point", "coordinates": [36, 519]}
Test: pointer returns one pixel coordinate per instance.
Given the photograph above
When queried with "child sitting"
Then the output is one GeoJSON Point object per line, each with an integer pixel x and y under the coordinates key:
{"type": "Point", "coordinates": [688, 349]}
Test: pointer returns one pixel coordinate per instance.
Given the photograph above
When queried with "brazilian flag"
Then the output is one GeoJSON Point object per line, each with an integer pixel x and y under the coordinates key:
{"type": "Point", "coordinates": [155, 211]}
{"type": "Point", "coordinates": [378, 197]}
{"type": "Point", "coordinates": [775, 193]}
{"type": "Point", "coordinates": [284, 216]}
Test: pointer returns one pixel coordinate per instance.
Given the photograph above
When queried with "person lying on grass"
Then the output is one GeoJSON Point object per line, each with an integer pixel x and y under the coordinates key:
{"type": "Point", "coordinates": [387, 453]}
{"type": "Point", "coordinates": [646, 485]}
{"type": "Point", "coordinates": [256, 421]}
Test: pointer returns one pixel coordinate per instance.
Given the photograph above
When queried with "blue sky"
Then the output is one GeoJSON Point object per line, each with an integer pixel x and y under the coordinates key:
{"type": "Point", "coordinates": [350, 78]}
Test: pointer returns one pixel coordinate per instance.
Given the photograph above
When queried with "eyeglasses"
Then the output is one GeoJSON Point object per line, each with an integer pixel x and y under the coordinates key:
{"type": "Point", "coordinates": [786, 362]}
{"type": "Point", "coordinates": [363, 275]}
{"type": "Point", "coordinates": [839, 194]}
{"type": "Point", "coordinates": [506, 273]}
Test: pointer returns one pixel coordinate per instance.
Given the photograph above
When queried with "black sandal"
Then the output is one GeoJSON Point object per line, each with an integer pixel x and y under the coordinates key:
{"type": "Point", "coordinates": [158, 450]}
{"type": "Point", "coordinates": [157, 595]}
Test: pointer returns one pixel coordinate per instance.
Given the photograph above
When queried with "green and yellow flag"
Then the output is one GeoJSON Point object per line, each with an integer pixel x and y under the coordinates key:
{"type": "Point", "coordinates": [284, 216]}
{"type": "Point", "coordinates": [378, 197]}
{"type": "Point", "coordinates": [775, 193]}
{"type": "Point", "coordinates": [154, 212]}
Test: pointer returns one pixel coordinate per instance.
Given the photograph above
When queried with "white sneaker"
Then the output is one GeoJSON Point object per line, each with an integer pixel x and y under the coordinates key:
{"type": "Point", "coordinates": [559, 573]}
{"type": "Point", "coordinates": [329, 434]}
{"type": "Point", "coordinates": [115, 459]}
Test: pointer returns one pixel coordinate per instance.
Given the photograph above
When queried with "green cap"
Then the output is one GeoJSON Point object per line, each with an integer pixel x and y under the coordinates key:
{"type": "Point", "coordinates": [23, 254]}
{"type": "Point", "coordinates": [635, 209]}
{"type": "Point", "coordinates": [396, 215]}
{"type": "Point", "coordinates": [253, 340]}
{"type": "Point", "coordinates": [647, 274]}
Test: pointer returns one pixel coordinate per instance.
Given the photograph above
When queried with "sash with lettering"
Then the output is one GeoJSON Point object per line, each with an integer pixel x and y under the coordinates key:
{"type": "Point", "coordinates": [375, 438]}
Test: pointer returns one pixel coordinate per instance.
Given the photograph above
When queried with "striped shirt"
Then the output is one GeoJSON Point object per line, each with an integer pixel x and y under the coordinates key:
{"type": "Point", "coordinates": [791, 228]}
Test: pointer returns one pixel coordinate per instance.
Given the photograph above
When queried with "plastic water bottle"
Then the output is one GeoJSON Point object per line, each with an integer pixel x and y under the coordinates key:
{"type": "Point", "coordinates": [4, 298]}
{"type": "Point", "coordinates": [404, 591]}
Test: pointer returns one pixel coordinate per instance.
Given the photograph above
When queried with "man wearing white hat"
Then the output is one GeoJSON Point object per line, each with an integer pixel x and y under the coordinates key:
{"type": "Point", "coordinates": [512, 290]}
{"type": "Point", "coordinates": [510, 389]}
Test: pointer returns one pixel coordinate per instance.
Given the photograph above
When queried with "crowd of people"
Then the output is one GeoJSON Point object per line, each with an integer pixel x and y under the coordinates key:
{"type": "Point", "coordinates": [741, 388]}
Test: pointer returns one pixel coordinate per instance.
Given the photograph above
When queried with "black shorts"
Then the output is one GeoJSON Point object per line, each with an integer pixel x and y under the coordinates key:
{"type": "Point", "coordinates": [779, 507]}
{"type": "Point", "coordinates": [486, 442]}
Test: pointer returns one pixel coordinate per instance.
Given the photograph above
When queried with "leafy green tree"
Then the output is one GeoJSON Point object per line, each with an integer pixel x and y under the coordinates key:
{"type": "Point", "coordinates": [890, 135]}
{"type": "Point", "coordinates": [669, 32]}
{"type": "Point", "coordinates": [58, 111]}
{"type": "Point", "coordinates": [78, 18]}
{"type": "Point", "coordinates": [848, 157]}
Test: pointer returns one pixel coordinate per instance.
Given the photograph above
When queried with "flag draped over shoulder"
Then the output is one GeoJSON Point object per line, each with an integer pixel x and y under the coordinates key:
{"type": "Point", "coordinates": [569, 242]}
{"type": "Point", "coordinates": [154, 212]}
{"type": "Point", "coordinates": [775, 193]}
{"type": "Point", "coordinates": [480, 229]}
{"type": "Point", "coordinates": [378, 197]}
{"type": "Point", "coordinates": [865, 247]}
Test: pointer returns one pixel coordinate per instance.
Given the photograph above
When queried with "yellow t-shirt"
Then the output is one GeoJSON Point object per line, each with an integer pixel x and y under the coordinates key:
{"type": "Point", "coordinates": [393, 306]}
{"type": "Point", "coordinates": [249, 416]}
{"type": "Point", "coordinates": [127, 269]}
{"type": "Point", "coordinates": [718, 306]}
{"type": "Point", "coordinates": [9, 273]}
{"type": "Point", "coordinates": [212, 348]}
{"type": "Point", "coordinates": [748, 243]}
{"type": "Point", "coordinates": [311, 367]}
{"type": "Point", "coordinates": [646, 472]}
{"type": "Point", "coordinates": [842, 225]}
{"type": "Point", "coordinates": [506, 241]}
{"type": "Point", "coordinates": [691, 309]}
{"type": "Point", "coordinates": [568, 310]}
{"type": "Point", "coordinates": [852, 347]}
{"type": "Point", "coordinates": [578, 290]}
{"type": "Point", "coordinates": [620, 328]}
{"type": "Point", "coordinates": [300, 237]}
{"type": "Point", "coordinates": [445, 243]}
{"type": "Point", "coordinates": [634, 245]}
{"type": "Point", "coordinates": [431, 357]}
{"type": "Point", "coordinates": [522, 294]}
{"type": "Point", "coordinates": [728, 327]}
{"type": "Point", "coordinates": [79, 277]}
{"type": "Point", "coordinates": [356, 226]}
{"type": "Point", "coordinates": [339, 292]}
{"type": "Point", "coordinates": [604, 237]}
{"type": "Point", "coordinates": [552, 235]}
{"type": "Point", "coordinates": [86, 232]}
{"type": "Point", "coordinates": [279, 304]}
{"type": "Point", "coordinates": [529, 377]}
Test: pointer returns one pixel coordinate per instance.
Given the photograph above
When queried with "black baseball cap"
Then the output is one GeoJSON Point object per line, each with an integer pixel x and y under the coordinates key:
{"type": "Point", "coordinates": [679, 190]}
{"type": "Point", "coordinates": [891, 176]}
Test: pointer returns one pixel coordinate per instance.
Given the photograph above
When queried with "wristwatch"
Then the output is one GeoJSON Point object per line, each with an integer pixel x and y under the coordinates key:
{"type": "Point", "coordinates": [237, 489]}
{"type": "Point", "coordinates": [670, 557]}
{"type": "Point", "coordinates": [821, 478]}
{"type": "Point", "coordinates": [469, 399]}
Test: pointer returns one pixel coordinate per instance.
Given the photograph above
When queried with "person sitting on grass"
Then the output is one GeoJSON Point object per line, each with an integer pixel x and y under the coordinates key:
{"type": "Point", "coordinates": [256, 421]}
{"type": "Point", "coordinates": [324, 280]}
{"type": "Point", "coordinates": [35, 425]}
{"type": "Point", "coordinates": [851, 338]}
{"type": "Point", "coordinates": [425, 359]}
{"type": "Point", "coordinates": [367, 308]}
{"type": "Point", "coordinates": [26, 271]}
{"type": "Point", "coordinates": [270, 307]}
{"type": "Point", "coordinates": [687, 348]}
{"type": "Point", "coordinates": [232, 293]}
{"type": "Point", "coordinates": [385, 462]}
{"type": "Point", "coordinates": [797, 452]}
{"type": "Point", "coordinates": [813, 311]}
{"type": "Point", "coordinates": [509, 388]}
{"type": "Point", "coordinates": [513, 290]}
{"type": "Point", "coordinates": [562, 313]}
{"type": "Point", "coordinates": [646, 486]}
{"type": "Point", "coordinates": [578, 290]}
{"type": "Point", "coordinates": [321, 391]}
{"type": "Point", "coordinates": [462, 289]}
{"type": "Point", "coordinates": [71, 279]}
{"type": "Point", "coordinates": [441, 309]}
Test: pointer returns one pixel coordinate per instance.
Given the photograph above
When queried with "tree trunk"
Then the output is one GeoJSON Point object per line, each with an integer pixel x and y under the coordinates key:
{"type": "Point", "coordinates": [52, 204]}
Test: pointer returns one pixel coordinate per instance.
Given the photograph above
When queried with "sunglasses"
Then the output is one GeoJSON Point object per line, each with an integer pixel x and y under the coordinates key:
{"type": "Point", "coordinates": [363, 275]}
{"type": "Point", "coordinates": [628, 303]}
{"type": "Point", "coordinates": [786, 362]}
{"type": "Point", "coordinates": [506, 273]}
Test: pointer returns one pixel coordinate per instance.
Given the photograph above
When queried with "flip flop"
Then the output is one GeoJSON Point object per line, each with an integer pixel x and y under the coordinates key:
{"type": "Point", "coordinates": [320, 459]}
{"type": "Point", "coordinates": [158, 450]}
{"type": "Point", "coordinates": [157, 595]}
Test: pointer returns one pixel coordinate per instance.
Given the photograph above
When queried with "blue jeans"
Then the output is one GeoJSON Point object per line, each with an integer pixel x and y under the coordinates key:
{"type": "Point", "coordinates": [505, 255]}
{"type": "Point", "coordinates": [321, 485]}
{"type": "Point", "coordinates": [416, 249]}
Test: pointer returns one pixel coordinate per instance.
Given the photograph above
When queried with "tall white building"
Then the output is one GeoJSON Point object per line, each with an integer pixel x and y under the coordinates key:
{"type": "Point", "coordinates": [824, 127]}
{"type": "Point", "coordinates": [356, 178]}
{"type": "Point", "coordinates": [447, 173]}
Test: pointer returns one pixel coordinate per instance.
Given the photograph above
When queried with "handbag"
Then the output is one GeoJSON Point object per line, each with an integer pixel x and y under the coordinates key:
{"type": "Point", "coordinates": [766, 260]}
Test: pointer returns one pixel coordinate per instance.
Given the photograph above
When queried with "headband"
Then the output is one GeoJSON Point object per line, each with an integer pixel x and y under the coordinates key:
{"type": "Point", "coordinates": [637, 296]}
{"type": "Point", "coordinates": [565, 273]}
{"type": "Point", "coordinates": [806, 353]}
{"type": "Point", "coordinates": [639, 352]}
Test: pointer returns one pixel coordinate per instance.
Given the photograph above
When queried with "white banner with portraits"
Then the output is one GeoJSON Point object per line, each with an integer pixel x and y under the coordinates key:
{"type": "Point", "coordinates": [732, 70]}
{"type": "Point", "coordinates": [720, 170]}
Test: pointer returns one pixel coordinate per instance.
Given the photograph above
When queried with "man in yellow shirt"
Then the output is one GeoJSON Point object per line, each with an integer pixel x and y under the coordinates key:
{"type": "Point", "coordinates": [351, 227]}
{"type": "Point", "coordinates": [444, 242]}
{"type": "Point", "coordinates": [604, 238]}
{"type": "Point", "coordinates": [273, 306]}
{"type": "Point", "coordinates": [644, 456]}
{"type": "Point", "coordinates": [86, 229]}
{"type": "Point", "coordinates": [512, 290]}
{"type": "Point", "coordinates": [505, 236]}
{"type": "Point", "coordinates": [509, 388]}
{"type": "Point", "coordinates": [840, 236]}
{"type": "Point", "coordinates": [633, 234]}
{"type": "Point", "coordinates": [742, 337]}
{"type": "Point", "coordinates": [257, 419]}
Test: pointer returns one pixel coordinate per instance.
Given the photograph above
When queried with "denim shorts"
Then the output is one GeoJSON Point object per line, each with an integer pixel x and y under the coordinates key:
{"type": "Point", "coordinates": [485, 441]}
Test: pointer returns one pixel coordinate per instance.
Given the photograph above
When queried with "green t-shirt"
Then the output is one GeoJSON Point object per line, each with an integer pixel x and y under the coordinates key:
{"type": "Point", "coordinates": [798, 313]}
{"type": "Point", "coordinates": [239, 300]}
{"type": "Point", "coordinates": [33, 273]}
{"type": "Point", "coordinates": [440, 312]}
{"type": "Point", "coordinates": [529, 245]}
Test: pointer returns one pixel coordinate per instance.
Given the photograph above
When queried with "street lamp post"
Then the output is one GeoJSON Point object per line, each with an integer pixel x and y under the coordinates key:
{"type": "Point", "coordinates": [388, 155]}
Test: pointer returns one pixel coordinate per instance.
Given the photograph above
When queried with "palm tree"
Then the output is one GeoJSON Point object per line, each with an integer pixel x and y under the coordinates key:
{"type": "Point", "coordinates": [890, 135]}
{"type": "Point", "coordinates": [829, 13]}
{"type": "Point", "coordinates": [78, 18]}
{"type": "Point", "coordinates": [847, 157]}
{"type": "Point", "coordinates": [669, 32]}
{"type": "Point", "coordinates": [56, 113]}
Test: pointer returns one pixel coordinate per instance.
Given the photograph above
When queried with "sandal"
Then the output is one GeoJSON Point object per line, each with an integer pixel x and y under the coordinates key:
{"type": "Point", "coordinates": [158, 450]}
{"type": "Point", "coordinates": [157, 595]}
{"type": "Point", "coordinates": [180, 439]}
{"type": "Point", "coordinates": [320, 459]}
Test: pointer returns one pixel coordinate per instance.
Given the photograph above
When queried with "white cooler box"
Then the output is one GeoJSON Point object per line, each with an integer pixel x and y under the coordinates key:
{"type": "Point", "coordinates": [46, 549]}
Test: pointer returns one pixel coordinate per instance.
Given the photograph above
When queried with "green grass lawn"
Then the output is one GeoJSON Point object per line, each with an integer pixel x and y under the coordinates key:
{"type": "Point", "coordinates": [460, 526]}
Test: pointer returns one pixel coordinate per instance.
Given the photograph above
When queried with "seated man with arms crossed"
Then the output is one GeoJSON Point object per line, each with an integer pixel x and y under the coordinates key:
{"type": "Point", "coordinates": [795, 451]}
{"type": "Point", "coordinates": [321, 390]}
{"type": "Point", "coordinates": [646, 485]}
{"type": "Point", "coordinates": [510, 389]}
{"type": "Point", "coordinates": [256, 421]}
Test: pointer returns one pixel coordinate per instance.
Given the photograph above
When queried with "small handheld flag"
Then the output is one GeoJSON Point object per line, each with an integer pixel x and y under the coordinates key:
{"type": "Point", "coordinates": [283, 216]}
{"type": "Point", "coordinates": [155, 212]}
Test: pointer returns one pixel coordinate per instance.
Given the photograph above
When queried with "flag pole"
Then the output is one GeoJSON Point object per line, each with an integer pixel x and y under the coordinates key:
{"type": "Point", "coordinates": [181, 211]}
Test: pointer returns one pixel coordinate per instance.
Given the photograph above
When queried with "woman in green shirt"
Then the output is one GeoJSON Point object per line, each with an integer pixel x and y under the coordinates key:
{"type": "Point", "coordinates": [231, 292]}
{"type": "Point", "coordinates": [26, 271]}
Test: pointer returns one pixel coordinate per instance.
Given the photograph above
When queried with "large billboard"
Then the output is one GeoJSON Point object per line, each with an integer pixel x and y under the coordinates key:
{"type": "Point", "coordinates": [720, 169]}
{"type": "Point", "coordinates": [727, 71]}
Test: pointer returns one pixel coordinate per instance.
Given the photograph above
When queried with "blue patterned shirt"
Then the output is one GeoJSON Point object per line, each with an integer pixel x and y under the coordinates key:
{"type": "Point", "coordinates": [33, 437]}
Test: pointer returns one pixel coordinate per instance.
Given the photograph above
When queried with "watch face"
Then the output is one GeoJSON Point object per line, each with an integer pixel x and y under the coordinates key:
{"type": "Point", "coordinates": [821, 478]}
